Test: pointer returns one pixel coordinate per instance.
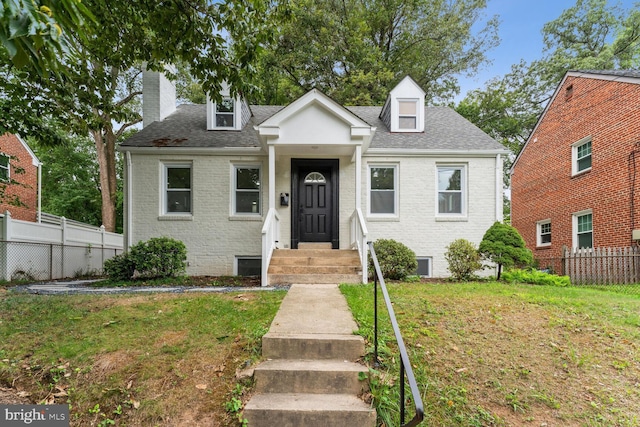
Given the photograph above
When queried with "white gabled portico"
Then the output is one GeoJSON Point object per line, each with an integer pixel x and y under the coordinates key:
{"type": "Point", "coordinates": [307, 144]}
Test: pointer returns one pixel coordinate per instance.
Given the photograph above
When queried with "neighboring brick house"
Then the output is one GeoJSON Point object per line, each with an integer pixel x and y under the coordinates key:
{"type": "Point", "coordinates": [576, 182]}
{"type": "Point", "coordinates": [20, 164]}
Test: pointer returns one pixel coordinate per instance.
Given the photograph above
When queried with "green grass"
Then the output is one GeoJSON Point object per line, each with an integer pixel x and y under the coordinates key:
{"type": "Point", "coordinates": [501, 354]}
{"type": "Point", "coordinates": [128, 350]}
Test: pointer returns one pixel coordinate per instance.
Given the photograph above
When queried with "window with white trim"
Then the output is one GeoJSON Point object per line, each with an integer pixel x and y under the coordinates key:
{"type": "Point", "coordinates": [383, 189]}
{"type": "Point", "coordinates": [246, 190]}
{"type": "Point", "coordinates": [225, 113]}
{"type": "Point", "coordinates": [177, 188]}
{"type": "Point", "coordinates": [5, 169]}
{"type": "Point", "coordinates": [581, 156]}
{"type": "Point", "coordinates": [424, 267]}
{"type": "Point", "coordinates": [451, 189]}
{"type": "Point", "coordinates": [583, 229]}
{"type": "Point", "coordinates": [407, 114]}
{"type": "Point", "coordinates": [544, 233]}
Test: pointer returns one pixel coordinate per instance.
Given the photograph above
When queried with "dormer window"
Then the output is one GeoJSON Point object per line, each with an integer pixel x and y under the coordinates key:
{"type": "Point", "coordinates": [225, 113]}
{"type": "Point", "coordinates": [407, 114]}
{"type": "Point", "coordinates": [403, 110]}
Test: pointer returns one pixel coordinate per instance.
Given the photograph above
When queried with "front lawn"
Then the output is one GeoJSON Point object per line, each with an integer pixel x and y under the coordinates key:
{"type": "Point", "coordinates": [137, 360]}
{"type": "Point", "coordinates": [512, 355]}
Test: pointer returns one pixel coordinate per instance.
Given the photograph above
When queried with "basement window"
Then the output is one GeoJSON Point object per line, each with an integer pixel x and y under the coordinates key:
{"type": "Point", "coordinates": [248, 266]}
{"type": "Point", "coordinates": [424, 267]}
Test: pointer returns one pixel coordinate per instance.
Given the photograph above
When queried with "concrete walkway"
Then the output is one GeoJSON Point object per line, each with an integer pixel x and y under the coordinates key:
{"type": "Point", "coordinates": [82, 287]}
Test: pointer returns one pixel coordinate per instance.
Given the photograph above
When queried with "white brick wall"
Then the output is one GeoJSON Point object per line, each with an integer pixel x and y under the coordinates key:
{"type": "Point", "coordinates": [417, 226]}
{"type": "Point", "coordinates": [213, 237]}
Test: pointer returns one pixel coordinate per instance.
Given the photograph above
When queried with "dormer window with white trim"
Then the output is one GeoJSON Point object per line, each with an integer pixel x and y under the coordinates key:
{"type": "Point", "coordinates": [407, 114]}
{"type": "Point", "coordinates": [225, 114]}
{"type": "Point", "coordinates": [403, 110]}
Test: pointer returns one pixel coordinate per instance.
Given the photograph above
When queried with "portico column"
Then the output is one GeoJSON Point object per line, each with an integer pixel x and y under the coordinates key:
{"type": "Point", "coordinates": [358, 176]}
{"type": "Point", "coordinates": [272, 177]}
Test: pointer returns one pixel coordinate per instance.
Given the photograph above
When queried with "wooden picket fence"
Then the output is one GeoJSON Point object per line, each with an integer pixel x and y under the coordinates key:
{"type": "Point", "coordinates": [597, 266]}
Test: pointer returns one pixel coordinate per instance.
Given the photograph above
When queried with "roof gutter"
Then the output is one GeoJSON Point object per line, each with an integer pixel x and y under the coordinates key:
{"type": "Point", "coordinates": [404, 152]}
{"type": "Point", "coordinates": [205, 151]}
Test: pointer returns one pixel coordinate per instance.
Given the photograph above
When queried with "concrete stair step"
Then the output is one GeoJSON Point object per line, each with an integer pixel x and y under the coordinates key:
{"type": "Point", "coordinates": [316, 261]}
{"type": "Point", "coordinates": [312, 346]}
{"type": "Point", "coordinates": [313, 269]}
{"type": "Point", "coordinates": [308, 410]}
{"type": "Point", "coordinates": [315, 245]}
{"type": "Point", "coordinates": [288, 279]}
{"type": "Point", "coordinates": [311, 376]}
{"type": "Point", "coordinates": [324, 253]}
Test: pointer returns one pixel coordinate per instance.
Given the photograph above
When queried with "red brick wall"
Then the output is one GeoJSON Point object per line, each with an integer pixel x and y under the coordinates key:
{"type": "Point", "coordinates": [28, 193]}
{"type": "Point", "coordinates": [542, 186]}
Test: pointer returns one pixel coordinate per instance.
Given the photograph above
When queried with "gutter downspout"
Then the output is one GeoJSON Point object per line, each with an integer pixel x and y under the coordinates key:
{"type": "Point", "coordinates": [39, 192]}
{"type": "Point", "coordinates": [129, 197]}
{"type": "Point", "coordinates": [499, 192]}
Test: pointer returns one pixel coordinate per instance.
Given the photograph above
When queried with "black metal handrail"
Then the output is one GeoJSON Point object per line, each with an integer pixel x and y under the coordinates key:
{"type": "Point", "coordinates": [405, 364]}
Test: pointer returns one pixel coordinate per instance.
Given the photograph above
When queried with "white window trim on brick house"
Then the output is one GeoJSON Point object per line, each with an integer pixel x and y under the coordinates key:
{"type": "Point", "coordinates": [257, 214]}
{"type": "Point", "coordinates": [5, 169]}
{"type": "Point", "coordinates": [541, 230]}
{"type": "Point", "coordinates": [164, 197]}
{"type": "Point", "coordinates": [575, 232]}
{"type": "Point", "coordinates": [213, 113]}
{"type": "Point", "coordinates": [575, 147]}
{"type": "Point", "coordinates": [429, 262]}
{"type": "Point", "coordinates": [395, 167]}
{"type": "Point", "coordinates": [463, 214]}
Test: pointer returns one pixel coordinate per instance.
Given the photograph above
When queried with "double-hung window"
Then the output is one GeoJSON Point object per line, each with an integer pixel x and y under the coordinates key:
{"type": "Point", "coordinates": [246, 190]}
{"type": "Point", "coordinates": [581, 155]}
{"type": "Point", "coordinates": [451, 190]}
{"type": "Point", "coordinates": [225, 113]}
{"type": "Point", "coordinates": [177, 191]}
{"type": "Point", "coordinates": [4, 167]}
{"type": "Point", "coordinates": [407, 114]}
{"type": "Point", "coordinates": [583, 229]}
{"type": "Point", "coordinates": [544, 233]}
{"type": "Point", "coordinates": [382, 190]}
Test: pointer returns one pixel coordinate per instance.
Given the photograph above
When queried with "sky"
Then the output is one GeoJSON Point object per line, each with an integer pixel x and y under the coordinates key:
{"type": "Point", "coordinates": [520, 32]}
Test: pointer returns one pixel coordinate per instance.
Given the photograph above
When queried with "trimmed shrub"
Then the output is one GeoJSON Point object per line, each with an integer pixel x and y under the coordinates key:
{"type": "Point", "coordinates": [463, 259]}
{"type": "Point", "coordinates": [535, 277]}
{"type": "Point", "coordinates": [396, 260]}
{"type": "Point", "coordinates": [157, 257]}
{"type": "Point", "coordinates": [120, 267]}
{"type": "Point", "coordinates": [503, 245]}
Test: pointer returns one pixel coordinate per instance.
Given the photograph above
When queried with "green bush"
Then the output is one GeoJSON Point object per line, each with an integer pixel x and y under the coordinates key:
{"type": "Point", "coordinates": [503, 245]}
{"type": "Point", "coordinates": [157, 257]}
{"type": "Point", "coordinates": [120, 267]}
{"type": "Point", "coordinates": [463, 259]}
{"type": "Point", "coordinates": [396, 260]}
{"type": "Point", "coordinates": [535, 277]}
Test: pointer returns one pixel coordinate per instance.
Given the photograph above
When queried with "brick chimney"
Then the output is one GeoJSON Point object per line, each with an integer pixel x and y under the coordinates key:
{"type": "Point", "coordinates": [158, 96]}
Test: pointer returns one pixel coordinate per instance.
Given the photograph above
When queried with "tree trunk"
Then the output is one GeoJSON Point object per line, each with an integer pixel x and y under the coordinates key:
{"type": "Point", "coordinates": [499, 271]}
{"type": "Point", "coordinates": [105, 141]}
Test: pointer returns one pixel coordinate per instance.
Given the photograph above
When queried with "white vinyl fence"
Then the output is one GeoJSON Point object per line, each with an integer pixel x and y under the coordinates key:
{"type": "Point", "coordinates": [55, 249]}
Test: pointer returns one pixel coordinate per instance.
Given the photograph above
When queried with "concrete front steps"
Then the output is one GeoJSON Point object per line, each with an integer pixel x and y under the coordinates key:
{"type": "Point", "coordinates": [310, 377]}
{"type": "Point", "coordinates": [314, 263]}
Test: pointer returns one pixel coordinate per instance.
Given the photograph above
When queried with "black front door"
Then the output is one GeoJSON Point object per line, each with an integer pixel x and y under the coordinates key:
{"type": "Point", "coordinates": [315, 206]}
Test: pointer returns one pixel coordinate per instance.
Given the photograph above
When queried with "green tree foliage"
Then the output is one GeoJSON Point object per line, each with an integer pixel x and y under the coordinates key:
{"type": "Point", "coordinates": [38, 33]}
{"type": "Point", "coordinates": [589, 35]}
{"type": "Point", "coordinates": [503, 245]}
{"type": "Point", "coordinates": [396, 260]}
{"type": "Point", "coordinates": [356, 50]}
{"type": "Point", "coordinates": [71, 181]}
{"type": "Point", "coordinates": [463, 259]}
{"type": "Point", "coordinates": [98, 92]}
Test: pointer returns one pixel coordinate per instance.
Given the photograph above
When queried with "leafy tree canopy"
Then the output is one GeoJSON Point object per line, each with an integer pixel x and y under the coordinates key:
{"type": "Point", "coordinates": [356, 50]}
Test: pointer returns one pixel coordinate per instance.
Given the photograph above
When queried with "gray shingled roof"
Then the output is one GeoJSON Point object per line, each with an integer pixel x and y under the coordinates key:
{"type": "Point", "coordinates": [619, 73]}
{"type": "Point", "coordinates": [187, 127]}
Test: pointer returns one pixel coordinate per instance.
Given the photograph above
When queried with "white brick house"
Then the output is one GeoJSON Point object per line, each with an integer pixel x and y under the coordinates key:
{"type": "Point", "coordinates": [234, 181]}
